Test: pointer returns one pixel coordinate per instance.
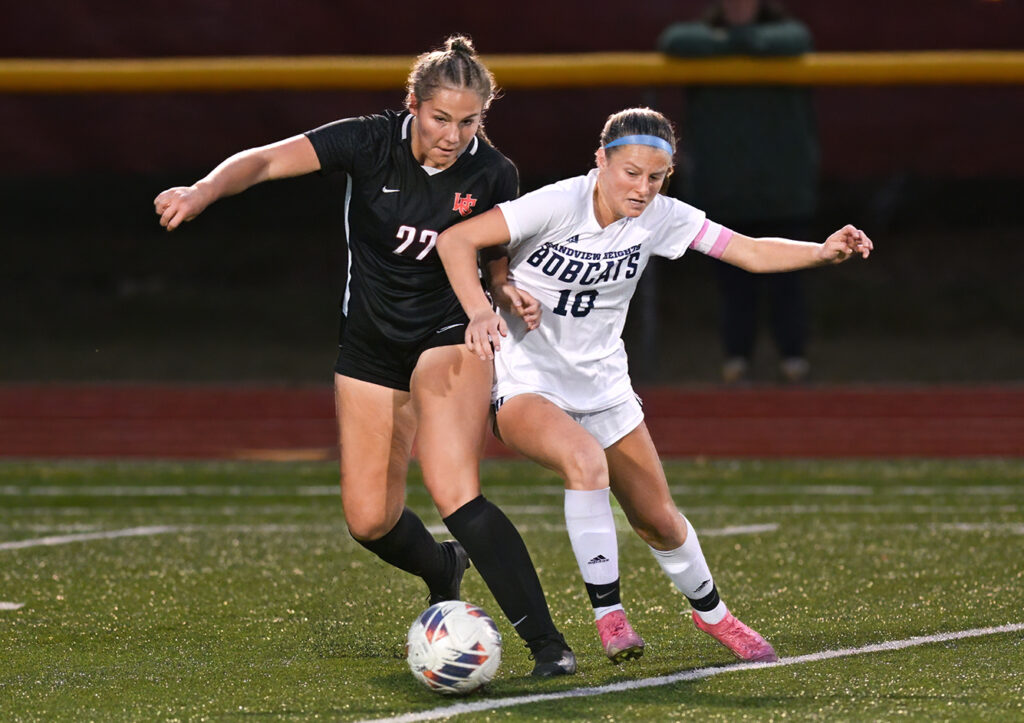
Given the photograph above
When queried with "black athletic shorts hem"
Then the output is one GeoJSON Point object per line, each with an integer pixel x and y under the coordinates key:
{"type": "Point", "coordinates": [391, 365]}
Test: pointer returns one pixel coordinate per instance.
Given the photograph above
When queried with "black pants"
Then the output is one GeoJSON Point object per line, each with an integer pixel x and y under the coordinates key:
{"type": "Point", "coordinates": [740, 291]}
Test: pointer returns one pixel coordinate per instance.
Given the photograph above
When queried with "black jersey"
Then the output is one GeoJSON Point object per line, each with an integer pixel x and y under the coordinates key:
{"type": "Point", "coordinates": [394, 211]}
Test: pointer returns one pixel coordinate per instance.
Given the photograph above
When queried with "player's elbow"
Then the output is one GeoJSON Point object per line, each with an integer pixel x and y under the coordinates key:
{"type": "Point", "coordinates": [454, 240]}
{"type": "Point", "coordinates": [444, 243]}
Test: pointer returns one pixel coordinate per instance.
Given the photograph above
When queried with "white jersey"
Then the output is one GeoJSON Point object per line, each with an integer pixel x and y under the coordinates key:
{"type": "Point", "coordinates": [584, 277]}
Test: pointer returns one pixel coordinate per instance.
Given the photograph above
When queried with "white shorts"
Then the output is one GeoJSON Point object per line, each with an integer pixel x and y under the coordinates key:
{"type": "Point", "coordinates": [607, 426]}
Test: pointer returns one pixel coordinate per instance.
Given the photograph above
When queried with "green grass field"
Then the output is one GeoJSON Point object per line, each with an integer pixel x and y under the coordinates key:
{"type": "Point", "coordinates": [223, 591]}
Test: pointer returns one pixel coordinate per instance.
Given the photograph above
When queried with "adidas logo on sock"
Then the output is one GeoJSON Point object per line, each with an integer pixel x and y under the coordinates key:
{"type": "Point", "coordinates": [598, 559]}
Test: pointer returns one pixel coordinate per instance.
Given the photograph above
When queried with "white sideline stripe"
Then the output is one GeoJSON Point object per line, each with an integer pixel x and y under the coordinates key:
{"type": "Point", "coordinates": [164, 529]}
{"type": "Point", "coordinates": [712, 532]}
{"type": "Point", "coordinates": [1012, 528]}
{"type": "Point", "coordinates": [83, 536]}
{"type": "Point", "coordinates": [740, 530]}
{"type": "Point", "coordinates": [11, 606]}
{"type": "Point", "coordinates": [682, 490]}
{"type": "Point", "coordinates": [170, 491]}
{"type": "Point", "coordinates": [688, 675]}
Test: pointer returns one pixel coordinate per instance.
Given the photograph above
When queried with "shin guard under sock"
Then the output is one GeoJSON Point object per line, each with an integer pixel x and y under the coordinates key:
{"type": "Point", "coordinates": [591, 527]}
{"type": "Point", "coordinates": [688, 569]}
{"type": "Point", "coordinates": [500, 556]}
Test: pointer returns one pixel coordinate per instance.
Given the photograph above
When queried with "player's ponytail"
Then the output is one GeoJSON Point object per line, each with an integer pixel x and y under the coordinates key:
{"type": "Point", "coordinates": [455, 66]}
{"type": "Point", "coordinates": [638, 122]}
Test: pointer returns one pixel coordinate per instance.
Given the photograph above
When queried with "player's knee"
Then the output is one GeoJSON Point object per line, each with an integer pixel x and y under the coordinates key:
{"type": "Point", "coordinates": [368, 527]}
{"type": "Point", "coordinates": [449, 498]}
{"type": "Point", "coordinates": [586, 468]}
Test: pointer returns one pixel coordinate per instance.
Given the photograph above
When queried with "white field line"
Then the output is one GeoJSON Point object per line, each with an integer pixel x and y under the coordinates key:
{"type": "Point", "coordinates": [740, 530]}
{"type": "Point", "coordinates": [84, 536]}
{"type": "Point", "coordinates": [623, 525]}
{"type": "Point", "coordinates": [683, 491]}
{"type": "Point", "coordinates": [688, 675]}
{"type": "Point", "coordinates": [170, 491]}
{"type": "Point", "coordinates": [692, 511]}
{"type": "Point", "coordinates": [164, 529]}
{"type": "Point", "coordinates": [1010, 527]}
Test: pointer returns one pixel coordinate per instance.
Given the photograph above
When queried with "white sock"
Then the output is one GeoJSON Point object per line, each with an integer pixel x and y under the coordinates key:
{"type": "Point", "coordinates": [604, 610]}
{"type": "Point", "coordinates": [591, 527]}
{"type": "Point", "coordinates": [688, 570]}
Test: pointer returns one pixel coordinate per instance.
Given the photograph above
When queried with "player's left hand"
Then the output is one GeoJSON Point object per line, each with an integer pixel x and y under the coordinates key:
{"type": "Point", "coordinates": [519, 302]}
{"type": "Point", "coordinates": [844, 243]}
{"type": "Point", "coordinates": [525, 307]}
{"type": "Point", "coordinates": [484, 332]}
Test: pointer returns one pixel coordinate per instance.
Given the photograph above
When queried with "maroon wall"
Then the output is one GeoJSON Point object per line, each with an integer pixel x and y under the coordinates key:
{"type": "Point", "coordinates": [108, 28]}
{"type": "Point", "coordinates": [867, 133]}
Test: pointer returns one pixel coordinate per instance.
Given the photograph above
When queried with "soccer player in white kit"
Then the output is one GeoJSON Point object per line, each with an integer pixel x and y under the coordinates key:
{"type": "Point", "coordinates": [563, 395]}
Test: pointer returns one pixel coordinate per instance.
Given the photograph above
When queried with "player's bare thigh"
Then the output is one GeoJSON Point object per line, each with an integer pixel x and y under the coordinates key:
{"type": "Point", "coordinates": [376, 427]}
{"type": "Point", "coordinates": [542, 431]}
{"type": "Point", "coordinates": [451, 393]}
{"type": "Point", "coordinates": [638, 483]}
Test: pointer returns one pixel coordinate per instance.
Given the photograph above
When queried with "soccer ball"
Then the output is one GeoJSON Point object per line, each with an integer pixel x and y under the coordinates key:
{"type": "Point", "coordinates": [454, 648]}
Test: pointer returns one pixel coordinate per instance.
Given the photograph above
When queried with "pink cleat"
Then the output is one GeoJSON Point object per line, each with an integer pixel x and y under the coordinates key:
{"type": "Point", "coordinates": [745, 644]}
{"type": "Point", "coordinates": [619, 639]}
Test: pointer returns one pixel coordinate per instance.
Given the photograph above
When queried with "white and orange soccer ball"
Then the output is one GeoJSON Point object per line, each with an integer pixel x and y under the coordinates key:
{"type": "Point", "coordinates": [454, 648]}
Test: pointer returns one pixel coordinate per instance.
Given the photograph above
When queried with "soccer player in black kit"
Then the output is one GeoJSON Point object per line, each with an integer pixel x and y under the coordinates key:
{"type": "Point", "coordinates": [403, 369]}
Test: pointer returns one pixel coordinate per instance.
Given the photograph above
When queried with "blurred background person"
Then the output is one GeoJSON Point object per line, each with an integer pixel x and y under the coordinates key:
{"type": "Point", "coordinates": [751, 163]}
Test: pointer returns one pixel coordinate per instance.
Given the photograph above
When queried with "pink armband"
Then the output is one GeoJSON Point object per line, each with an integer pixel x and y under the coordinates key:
{"type": "Point", "coordinates": [715, 245]}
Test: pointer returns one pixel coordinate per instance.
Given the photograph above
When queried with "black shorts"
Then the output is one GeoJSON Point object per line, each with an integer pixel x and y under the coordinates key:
{"type": "Point", "coordinates": [390, 364]}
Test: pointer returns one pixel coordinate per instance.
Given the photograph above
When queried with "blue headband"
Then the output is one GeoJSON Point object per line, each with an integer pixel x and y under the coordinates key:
{"type": "Point", "coordinates": [643, 141]}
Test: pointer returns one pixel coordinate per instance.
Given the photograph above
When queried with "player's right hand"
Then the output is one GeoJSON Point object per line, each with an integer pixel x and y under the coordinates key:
{"type": "Point", "coordinates": [484, 332]}
{"type": "Point", "coordinates": [179, 204]}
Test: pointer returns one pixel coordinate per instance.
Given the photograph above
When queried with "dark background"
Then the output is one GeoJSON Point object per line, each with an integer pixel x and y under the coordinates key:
{"type": "Point", "coordinates": [92, 289]}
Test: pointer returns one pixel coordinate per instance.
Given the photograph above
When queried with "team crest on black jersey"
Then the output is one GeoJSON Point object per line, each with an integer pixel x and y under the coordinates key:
{"type": "Point", "coordinates": [464, 204]}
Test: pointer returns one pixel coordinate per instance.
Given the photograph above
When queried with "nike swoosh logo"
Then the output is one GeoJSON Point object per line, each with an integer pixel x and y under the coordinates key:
{"type": "Point", "coordinates": [599, 596]}
{"type": "Point", "coordinates": [516, 623]}
{"type": "Point", "coordinates": [450, 326]}
{"type": "Point", "coordinates": [385, 189]}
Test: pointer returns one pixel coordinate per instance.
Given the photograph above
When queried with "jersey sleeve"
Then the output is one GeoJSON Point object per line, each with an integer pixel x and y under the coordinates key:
{"type": "Point", "coordinates": [350, 145]}
{"type": "Point", "coordinates": [684, 227]}
{"type": "Point", "coordinates": [533, 213]}
{"type": "Point", "coordinates": [507, 186]}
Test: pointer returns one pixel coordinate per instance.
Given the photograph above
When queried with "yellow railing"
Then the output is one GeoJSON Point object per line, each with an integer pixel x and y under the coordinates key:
{"type": "Point", "coordinates": [512, 71]}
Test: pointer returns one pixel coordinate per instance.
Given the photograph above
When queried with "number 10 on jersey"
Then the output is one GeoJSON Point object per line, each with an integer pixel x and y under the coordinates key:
{"type": "Point", "coordinates": [581, 305]}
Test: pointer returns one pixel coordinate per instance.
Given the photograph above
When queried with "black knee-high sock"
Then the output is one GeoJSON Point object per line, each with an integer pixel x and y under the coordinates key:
{"type": "Point", "coordinates": [410, 547]}
{"type": "Point", "coordinates": [501, 558]}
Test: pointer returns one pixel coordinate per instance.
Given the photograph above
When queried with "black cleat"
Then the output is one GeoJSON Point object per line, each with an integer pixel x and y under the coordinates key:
{"type": "Point", "coordinates": [553, 657]}
{"type": "Point", "coordinates": [459, 559]}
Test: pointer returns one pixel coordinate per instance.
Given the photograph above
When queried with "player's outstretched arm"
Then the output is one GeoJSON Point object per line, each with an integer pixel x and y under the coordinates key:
{"type": "Point", "coordinates": [291, 157]}
{"type": "Point", "coordinates": [769, 255]}
{"type": "Point", "coordinates": [458, 246]}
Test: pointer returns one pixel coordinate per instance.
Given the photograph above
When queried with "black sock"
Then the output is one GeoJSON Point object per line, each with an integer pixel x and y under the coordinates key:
{"type": "Point", "coordinates": [410, 547]}
{"type": "Point", "coordinates": [706, 603]}
{"type": "Point", "coordinates": [500, 555]}
{"type": "Point", "coordinates": [602, 596]}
